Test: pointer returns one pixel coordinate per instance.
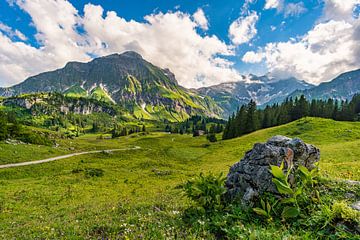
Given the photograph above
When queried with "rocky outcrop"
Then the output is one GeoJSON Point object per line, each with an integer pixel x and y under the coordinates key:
{"type": "Point", "coordinates": [51, 103]}
{"type": "Point", "coordinates": [251, 176]}
{"type": "Point", "coordinates": [24, 102]}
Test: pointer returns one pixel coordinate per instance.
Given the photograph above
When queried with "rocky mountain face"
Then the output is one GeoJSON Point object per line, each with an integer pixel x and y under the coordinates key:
{"type": "Point", "coordinates": [50, 103]}
{"type": "Point", "coordinates": [342, 87]}
{"type": "Point", "coordinates": [264, 90]}
{"type": "Point", "coordinates": [127, 79]}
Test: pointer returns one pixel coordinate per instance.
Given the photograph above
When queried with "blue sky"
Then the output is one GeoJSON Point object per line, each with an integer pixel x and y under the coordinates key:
{"type": "Point", "coordinates": [271, 22]}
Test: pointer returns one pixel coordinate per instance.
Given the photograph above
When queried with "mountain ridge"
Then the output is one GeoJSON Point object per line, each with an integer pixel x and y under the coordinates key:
{"type": "Point", "coordinates": [150, 92]}
{"type": "Point", "coordinates": [262, 89]}
{"type": "Point", "coordinates": [342, 87]}
{"type": "Point", "coordinates": [146, 90]}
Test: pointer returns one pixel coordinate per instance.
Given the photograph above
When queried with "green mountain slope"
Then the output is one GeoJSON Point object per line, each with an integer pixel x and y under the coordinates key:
{"type": "Point", "coordinates": [76, 91]}
{"type": "Point", "coordinates": [126, 79]}
{"type": "Point", "coordinates": [100, 94]}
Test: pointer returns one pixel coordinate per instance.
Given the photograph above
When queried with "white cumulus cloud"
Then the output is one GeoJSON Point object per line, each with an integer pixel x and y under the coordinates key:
{"type": "Point", "coordinates": [277, 4]}
{"type": "Point", "coordinates": [253, 57]}
{"type": "Point", "coordinates": [169, 40]}
{"type": "Point", "coordinates": [328, 49]}
{"type": "Point", "coordinates": [243, 29]}
{"type": "Point", "coordinates": [200, 19]}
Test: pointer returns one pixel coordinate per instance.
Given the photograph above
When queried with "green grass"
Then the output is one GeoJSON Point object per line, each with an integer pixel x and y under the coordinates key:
{"type": "Point", "coordinates": [76, 91]}
{"type": "Point", "coordinates": [101, 95]}
{"type": "Point", "coordinates": [138, 195]}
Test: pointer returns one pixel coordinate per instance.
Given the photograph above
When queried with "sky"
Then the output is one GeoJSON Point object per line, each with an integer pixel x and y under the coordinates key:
{"type": "Point", "coordinates": [202, 42]}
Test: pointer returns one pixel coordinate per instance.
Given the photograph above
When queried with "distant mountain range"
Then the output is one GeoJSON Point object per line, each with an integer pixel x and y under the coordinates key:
{"type": "Point", "coordinates": [264, 90]}
{"type": "Point", "coordinates": [342, 87]}
{"type": "Point", "coordinates": [152, 93]}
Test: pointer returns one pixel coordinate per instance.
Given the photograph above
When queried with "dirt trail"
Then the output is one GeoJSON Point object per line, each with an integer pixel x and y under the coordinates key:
{"type": "Point", "coordinates": [64, 156]}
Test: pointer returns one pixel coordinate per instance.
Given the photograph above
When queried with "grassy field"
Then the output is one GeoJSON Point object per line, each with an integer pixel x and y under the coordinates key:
{"type": "Point", "coordinates": [136, 194]}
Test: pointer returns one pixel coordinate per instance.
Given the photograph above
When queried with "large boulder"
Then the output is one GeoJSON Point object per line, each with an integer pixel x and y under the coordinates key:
{"type": "Point", "coordinates": [251, 177]}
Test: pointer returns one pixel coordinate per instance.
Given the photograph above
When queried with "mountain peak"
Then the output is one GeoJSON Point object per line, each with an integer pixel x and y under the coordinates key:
{"type": "Point", "coordinates": [130, 54]}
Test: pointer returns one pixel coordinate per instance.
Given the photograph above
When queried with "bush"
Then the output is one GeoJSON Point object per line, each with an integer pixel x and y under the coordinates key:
{"type": "Point", "coordinates": [206, 191]}
{"type": "Point", "coordinates": [211, 137]}
{"type": "Point", "coordinates": [34, 138]}
{"type": "Point", "coordinates": [307, 213]}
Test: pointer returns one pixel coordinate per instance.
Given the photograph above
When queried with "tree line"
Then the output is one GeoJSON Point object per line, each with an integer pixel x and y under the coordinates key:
{"type": "Point", "coordinates": [196, 123]}
{"type": "Point", "coordinates": [119, 130]}
{"type": "Point", "coordinates": [10, 128]}
{"type": "Point", "coordinates": [250, 118]}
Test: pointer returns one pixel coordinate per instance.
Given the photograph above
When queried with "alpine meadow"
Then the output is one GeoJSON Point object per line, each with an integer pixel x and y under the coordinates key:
{"type": "Point", "coordinates": [180, 120]}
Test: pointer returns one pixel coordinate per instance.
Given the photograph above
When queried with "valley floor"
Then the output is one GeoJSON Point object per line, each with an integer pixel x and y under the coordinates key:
{"type": "Point", "coordinates": [136, 194]}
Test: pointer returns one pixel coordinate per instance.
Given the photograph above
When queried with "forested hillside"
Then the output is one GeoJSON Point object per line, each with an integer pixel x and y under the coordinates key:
{"type": "Point", "coordinates": [249, 118]}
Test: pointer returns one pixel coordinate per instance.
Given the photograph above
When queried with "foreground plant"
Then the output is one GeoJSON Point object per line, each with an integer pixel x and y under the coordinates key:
{"type": "Point", "coordinates": [206, 191]}
{"type": "Point", "coordinates": [291, 194]}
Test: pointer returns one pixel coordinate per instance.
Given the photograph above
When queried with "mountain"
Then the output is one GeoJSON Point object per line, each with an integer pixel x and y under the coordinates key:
{"type": "Point", "coordinates": [147, 91]}
{"type": "Point", "coordinates": [51, 104]}
{"type": "Point", "coordinates": [343, 87]}
{"type": "Point", "coordinates": [264, 90]}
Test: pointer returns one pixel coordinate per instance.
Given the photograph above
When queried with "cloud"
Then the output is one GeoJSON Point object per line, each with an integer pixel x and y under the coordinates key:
{"type": "Point", "coordinates": [274, 4]}
{"type": "Point", "coordinates": [339, 9]}
{"type": "Point", "coordinates": [12, 33]}
{"type": "Point", "coordinates": [328, 49]}
{"type": "Point", "coordinates": [253, 57]}
{"type": "Point", "coordinates": [288, 9]}
{"type": "Point", "coordinates": [246, 5]}
{"type": "Point", "coordinates": [200, 19]}
{"type": "Point", "coordinates": [294, 9]}
{"type": "Point", "coordinates": [243, 29]}
{"type": "Point", "coordinates": [169, 40]}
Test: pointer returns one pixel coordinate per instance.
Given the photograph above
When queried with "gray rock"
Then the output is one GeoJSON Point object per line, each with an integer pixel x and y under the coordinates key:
{"type": "Point", "coordinates": [352, 182]}
{"type": "Point", "coordinates": [250, 177]}
{"type": "Point", "coordinates": [356, 206]}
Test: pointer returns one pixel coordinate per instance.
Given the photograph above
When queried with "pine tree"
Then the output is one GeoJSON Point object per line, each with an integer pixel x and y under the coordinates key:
{"type": "Point", "coordinates": [251, 123]}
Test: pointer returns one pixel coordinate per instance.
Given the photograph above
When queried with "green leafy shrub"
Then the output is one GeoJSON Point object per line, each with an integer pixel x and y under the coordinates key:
{"type": "Point", "coordinates": [294, 197]}
{"type": "Point", "coordinates": [298, 211]}
{"type": "Point", "coordinates": [206, 191]}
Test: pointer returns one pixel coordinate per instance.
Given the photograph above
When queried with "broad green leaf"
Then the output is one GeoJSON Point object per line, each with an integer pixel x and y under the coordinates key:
{"type": "Point", "coordinates": [268, 207]}
{"type": "Point", "coordinates": [290, 212]}
{"type": "Point", "coordinates": [288, 200]}
{"type": "Point", "coordinates": [282, 187]}
{"type": "Point", "coordinates": [252, 236]}
{"type": "Point", "coordinates": [277, 172]}
{"type": "Point", "coordinates": [298, 191]}
{"type": "Point", "coordinates": [260, 212]}
{"type": "Point", "coordinates": [304, 170]}
{"type": "Point", "coordinates": [262, 204]}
